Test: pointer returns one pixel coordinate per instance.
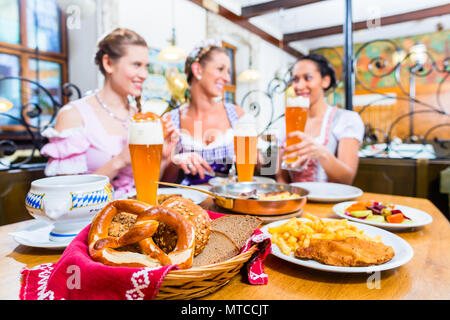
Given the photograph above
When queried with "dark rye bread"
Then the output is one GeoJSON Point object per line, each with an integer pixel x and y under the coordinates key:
{"type": "Point", "coordinates": [238, 227]}
{"type": "Point", "coordinates": [219, 248]}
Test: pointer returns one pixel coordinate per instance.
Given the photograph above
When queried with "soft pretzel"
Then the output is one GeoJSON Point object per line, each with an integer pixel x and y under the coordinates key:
{"type": "Point", "coordinates": [101, 246]}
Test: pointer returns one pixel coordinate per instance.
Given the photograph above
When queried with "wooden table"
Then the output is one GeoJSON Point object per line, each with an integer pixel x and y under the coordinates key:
{"type": "Point", "coordinates": [425, 276]}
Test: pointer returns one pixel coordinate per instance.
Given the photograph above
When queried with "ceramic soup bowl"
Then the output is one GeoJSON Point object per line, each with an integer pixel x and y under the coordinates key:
{"type": "Point", "coordinates": [69, 202]}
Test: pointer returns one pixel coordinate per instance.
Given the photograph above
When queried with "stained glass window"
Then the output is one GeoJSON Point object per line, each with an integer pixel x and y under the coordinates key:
{"type": "Point", "coordinates": [43, 25]}
{"type": "Point", "coordinates": [9, 21]}
{"type": "Point", "coordinates": [10, 89]}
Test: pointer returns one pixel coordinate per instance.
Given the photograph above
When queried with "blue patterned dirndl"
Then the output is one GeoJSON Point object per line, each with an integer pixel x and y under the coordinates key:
{"type": "Point", "coordinates": [220, 158]}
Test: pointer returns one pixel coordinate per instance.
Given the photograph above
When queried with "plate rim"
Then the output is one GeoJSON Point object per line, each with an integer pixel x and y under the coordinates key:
{"type": "Point", "coordinates": [409, 254]}
{"type": "Point", "coordinates": [358, 191]}
{"type": "Point", "coordinates": [384, 224]}
{"type": "Point", "coordinates": [200, 194]}
{"type": "Point", "coordinates": [133, 193]}
{"type": "Point", "coordinates": [45, 245]}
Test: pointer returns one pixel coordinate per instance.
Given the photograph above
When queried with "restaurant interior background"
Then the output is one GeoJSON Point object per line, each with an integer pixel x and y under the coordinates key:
{"type": "Point", "coordinates": [400, 84]}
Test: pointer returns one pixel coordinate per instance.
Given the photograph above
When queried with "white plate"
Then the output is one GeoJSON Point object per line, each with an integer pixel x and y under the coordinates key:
{"type": "Point", "coordinates": [218, 181]}
{"type": "Point", "coordinates": [196, 196]}
{"type": "Point", "coordinates": [36, 235]}
{"type": "Point", "coordinates": [402, 249]}
{"type": "Point", "coordinates": [329, 192]}
{"type": "Point", "coordinates": [419, 218]}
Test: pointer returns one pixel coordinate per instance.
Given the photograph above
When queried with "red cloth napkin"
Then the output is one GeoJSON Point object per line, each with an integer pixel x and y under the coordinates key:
{"type": "Point", "coordinates": [77, 277]}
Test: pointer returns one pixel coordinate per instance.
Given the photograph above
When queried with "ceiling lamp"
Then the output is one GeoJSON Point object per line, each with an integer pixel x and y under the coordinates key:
{"type": "Point", "coordinates": [173, 53]}
{"type": "Point", "coordinates": [5, 105]}
{"type": "Point", "coordinates": [249, 75]}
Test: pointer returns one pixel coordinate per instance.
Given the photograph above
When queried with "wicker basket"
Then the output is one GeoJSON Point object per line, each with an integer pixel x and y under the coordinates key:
{"type": "Point", "coordinates": [198, 282]}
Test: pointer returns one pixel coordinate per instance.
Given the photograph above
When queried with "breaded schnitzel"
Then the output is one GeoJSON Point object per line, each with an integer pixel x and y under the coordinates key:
{"type": "Point", "coordinates": [350, 252]}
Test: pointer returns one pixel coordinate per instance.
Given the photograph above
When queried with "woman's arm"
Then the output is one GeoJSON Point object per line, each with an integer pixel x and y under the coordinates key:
{"type": "Point", "coordinates": [68, 118]}
{"type": "Point", "coordinates": [112, 167]}
{"type": "Point", "coordinates": [341, 168]}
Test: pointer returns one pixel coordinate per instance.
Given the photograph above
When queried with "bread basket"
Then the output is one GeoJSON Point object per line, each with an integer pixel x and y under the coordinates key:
{"type": "Point", "coordinates": [197, 282]}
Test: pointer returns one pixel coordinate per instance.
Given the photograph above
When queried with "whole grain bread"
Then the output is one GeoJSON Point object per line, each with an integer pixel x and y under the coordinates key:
{"type": "Point", "coordinates": [238, 227]}
{"type": "Point", "coordinates": [219, 248]}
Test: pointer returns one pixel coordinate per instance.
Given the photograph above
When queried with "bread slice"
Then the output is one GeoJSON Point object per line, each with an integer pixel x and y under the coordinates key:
{"type": "Point", "coordinates": [219, 248]}
{"type": "Point", "coordinates": [238, 227]}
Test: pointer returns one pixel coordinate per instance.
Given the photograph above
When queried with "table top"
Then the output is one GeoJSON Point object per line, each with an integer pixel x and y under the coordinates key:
{"type": "Point", "coordinates": [425, 276]}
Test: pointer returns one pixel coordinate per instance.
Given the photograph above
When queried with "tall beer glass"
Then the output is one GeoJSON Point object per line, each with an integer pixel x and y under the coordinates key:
{"type": "Point", "coordinates": [146, 142]}
{"type": "Point", "coordinates": [245, 148]}
{"type": "Point", "coordinates": [295, 116]}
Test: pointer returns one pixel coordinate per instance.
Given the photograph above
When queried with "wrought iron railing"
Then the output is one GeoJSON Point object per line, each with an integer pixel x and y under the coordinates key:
{"type": "Point", "coordinates": [380, 67]}
{"type": "Point", "coordinates": [30, 124]}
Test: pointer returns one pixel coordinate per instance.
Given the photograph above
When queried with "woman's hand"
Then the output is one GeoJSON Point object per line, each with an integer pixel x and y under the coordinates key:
{"type": "Point", "coordinates": [172, 135]}
{"type": "Point", "coordinates": [123, 159]}
{"type": "Point", "coordinates": [192, 163]}
{"type": "Point", "coordinates": [306, 149]}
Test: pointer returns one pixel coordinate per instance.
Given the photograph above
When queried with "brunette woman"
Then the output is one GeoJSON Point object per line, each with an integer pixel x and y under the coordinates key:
{"type": "Point", "coordinates": [328, 150]}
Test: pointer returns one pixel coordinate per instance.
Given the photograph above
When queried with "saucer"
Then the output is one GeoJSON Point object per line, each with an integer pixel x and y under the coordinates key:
{"type": "Point", "coordinates": [37, 235]}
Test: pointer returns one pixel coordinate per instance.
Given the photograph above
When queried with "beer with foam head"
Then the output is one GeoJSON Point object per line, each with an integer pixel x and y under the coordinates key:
{"type": "Point", "coordinates": [295, 116]}
{"type": "Point", "coordinates": [146, 143]}
{"type": "Point", "coordinates": [245, 148]}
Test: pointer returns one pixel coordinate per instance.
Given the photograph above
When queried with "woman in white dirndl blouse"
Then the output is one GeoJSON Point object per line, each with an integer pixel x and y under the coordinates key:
{"type": "Point", "coordinates": [332, 137]}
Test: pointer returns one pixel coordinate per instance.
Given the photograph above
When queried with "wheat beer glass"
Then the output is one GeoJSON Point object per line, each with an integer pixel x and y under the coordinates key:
{"type": "Point", "coordinates": [245, 148]}
{"type": "Point", "coordinates": [146, 142]}
{"type": "Point", "coordinates": [295, 116]}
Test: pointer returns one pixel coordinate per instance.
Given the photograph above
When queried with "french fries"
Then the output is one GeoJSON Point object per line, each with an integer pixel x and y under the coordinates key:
{"type": "Point", "coordinates": [298, 233]}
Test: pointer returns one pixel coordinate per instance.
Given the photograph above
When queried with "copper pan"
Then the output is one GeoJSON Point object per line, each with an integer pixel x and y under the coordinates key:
{"type": "Point", "coordinates": [261, 207]}
{"type": "Point", "coordinates": [228, 196]}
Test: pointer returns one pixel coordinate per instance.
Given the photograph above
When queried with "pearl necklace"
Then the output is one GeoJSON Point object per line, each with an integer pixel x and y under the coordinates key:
{"type": "Point", "coordinates": [112, 114]}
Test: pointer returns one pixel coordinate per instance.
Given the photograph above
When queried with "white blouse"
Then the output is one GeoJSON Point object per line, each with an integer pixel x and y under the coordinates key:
{"type": "Point", "coordinates": [345, 124]}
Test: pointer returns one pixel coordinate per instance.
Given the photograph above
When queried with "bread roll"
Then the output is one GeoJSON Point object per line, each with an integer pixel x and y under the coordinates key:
{"type": "Point", "coordinates": [166, 238]}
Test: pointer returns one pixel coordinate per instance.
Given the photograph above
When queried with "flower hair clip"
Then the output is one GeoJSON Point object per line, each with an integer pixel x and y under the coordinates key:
{"type": "Point", "coordinates": [195, 53]}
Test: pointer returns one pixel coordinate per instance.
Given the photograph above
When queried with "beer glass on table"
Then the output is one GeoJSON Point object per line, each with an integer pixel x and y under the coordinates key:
{"type": "Point", "coordinates": [295, 116]}
{"type": "Point", "coordinates": [245, 148]}
{"type": "Point", "coordinates": [146, 140]}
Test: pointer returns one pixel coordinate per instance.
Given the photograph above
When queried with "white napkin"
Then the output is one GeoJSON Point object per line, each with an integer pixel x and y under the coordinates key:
{"type": "Point", "coordinates": [37, 234]}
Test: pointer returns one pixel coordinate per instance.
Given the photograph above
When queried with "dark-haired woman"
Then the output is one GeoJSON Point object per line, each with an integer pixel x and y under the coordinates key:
{"type": "Point", "coordinates": [328, 150]}
{"type": "Point", "coordinates": [205, 122]}
{"type": "Point", "coordinates": [90, 134]}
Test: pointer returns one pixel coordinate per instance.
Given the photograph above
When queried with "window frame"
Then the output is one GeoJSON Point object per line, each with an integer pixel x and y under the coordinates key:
{"type": "Point", "coordinates": [231, 87]}
{"type": "Point", "coordinates": [25, 54]}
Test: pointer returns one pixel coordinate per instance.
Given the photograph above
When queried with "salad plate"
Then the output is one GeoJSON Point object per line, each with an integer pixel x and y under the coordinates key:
{"type": "Point", "coordinates": [413, 217]}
